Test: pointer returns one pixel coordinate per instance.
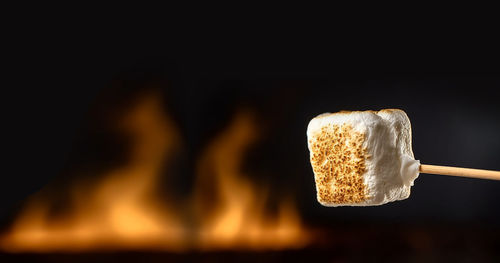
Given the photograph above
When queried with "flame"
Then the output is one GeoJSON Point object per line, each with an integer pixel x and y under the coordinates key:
{"type": "Point", "coordinates": [121, 210]}
{"type": "Point", "coordinates": [240, 218]}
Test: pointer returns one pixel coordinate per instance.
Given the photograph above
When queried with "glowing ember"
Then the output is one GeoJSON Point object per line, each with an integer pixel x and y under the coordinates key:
{"type": "Point", "coordinates": [122, 212]}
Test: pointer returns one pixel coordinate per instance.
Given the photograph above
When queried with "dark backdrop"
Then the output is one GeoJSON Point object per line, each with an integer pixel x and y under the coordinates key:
{"type": "Point", "coordinates": [452, 101]}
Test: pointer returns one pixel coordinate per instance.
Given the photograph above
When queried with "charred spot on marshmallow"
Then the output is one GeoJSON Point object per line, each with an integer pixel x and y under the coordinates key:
{"type": "Point", "coordinates": [338, 160]}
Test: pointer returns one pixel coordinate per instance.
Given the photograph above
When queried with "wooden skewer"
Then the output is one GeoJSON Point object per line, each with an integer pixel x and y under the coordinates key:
{"type": "Point", "coordinates": [457, 171]}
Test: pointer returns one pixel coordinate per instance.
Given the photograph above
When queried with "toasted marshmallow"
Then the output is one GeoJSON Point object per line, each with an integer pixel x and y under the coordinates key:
{"type": "Point", "coordinates": [362, 158]}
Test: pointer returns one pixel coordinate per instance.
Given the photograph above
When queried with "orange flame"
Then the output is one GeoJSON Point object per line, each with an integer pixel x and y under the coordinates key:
{"type": "Point", "coordinates": [240, 218]}
{"type": "Point", "coordinates": [121, 211]}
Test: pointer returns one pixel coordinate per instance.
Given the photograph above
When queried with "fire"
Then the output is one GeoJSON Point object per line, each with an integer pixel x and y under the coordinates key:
{"type": "Point", "coordinates": [240, 218]}
{"type": "Point", "coordinates": [119, 211]}
{"type": "Point", "coordinates": [122, 211]}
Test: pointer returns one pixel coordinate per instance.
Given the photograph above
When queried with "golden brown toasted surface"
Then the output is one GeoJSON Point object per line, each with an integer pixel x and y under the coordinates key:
{"type": "Point", "coordinates": [338, 161]}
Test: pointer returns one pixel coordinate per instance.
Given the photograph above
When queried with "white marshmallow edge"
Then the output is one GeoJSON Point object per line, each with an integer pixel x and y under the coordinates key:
{"type": "Point", "coordinates": [390, 168]}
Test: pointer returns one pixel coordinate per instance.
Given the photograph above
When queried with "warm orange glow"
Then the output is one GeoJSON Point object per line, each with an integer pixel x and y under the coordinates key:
{"type": "Point", "coordinates": [121, 211]}
{"type": "Point", "coordinates": [118, 212]}
{"type": "Point", "coordinates": [240, 218]}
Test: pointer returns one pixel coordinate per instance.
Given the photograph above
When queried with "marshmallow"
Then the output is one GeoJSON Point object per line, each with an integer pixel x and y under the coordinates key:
{"type": "Point", "coordinates": [362, 158]}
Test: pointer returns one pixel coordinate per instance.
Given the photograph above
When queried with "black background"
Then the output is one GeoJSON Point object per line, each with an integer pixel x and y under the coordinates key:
{"type": "Point", "coordinates": [450, 95]}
